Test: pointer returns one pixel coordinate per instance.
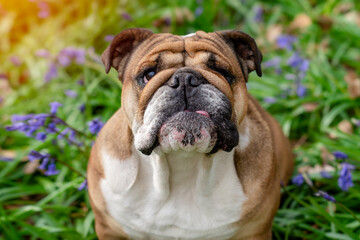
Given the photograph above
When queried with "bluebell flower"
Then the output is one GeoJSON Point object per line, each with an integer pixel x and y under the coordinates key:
{"type": "Point", "coordinates": [83, 185]}
{"type": "Point", "coordinates": [286, 41]}
{"type": "Point", "coordinates": [19, 126]}
{"type": "Point", "coordinates": [51, 73]}
{"type": "Point", "coordinates": [44, 9]}
{"type": "Point", "coordinates": [80, 82]}
{"type": "Point", "coordinates": [298, 179]}
{"type": "Point", "coordinates": [68, 54]}
{"type": "Point", "coordinates": [16, 60]}
{"type": "Point", "coordinates": [51, 128]}
{"type": "Point", "coordinates": [275, 62]}
{"type": "Point", "coordinates": [19, 118]}
{"type": "Point", "coordinates": [40, 136]}
{"type": "Point", "coordinates": [259, 12]}
{"type": "Point", "coordinates": [82, 108]}
{"type": "Point", "coordinates": [345, 177]}
{"type": "Point", "coordinates": [126, 16]}
{"type": "Point", "coordinates": [95, 126]}
{"type": "Point", "coordinates": [70, 93]}
{"type": "Point", "coordinates": [35, 155]}
{"type": "Point", "coordinates": [295, 60]}
{"type": "Point", "coordinates": [108, 38]}
{"type": "Point", "coordinates": [51, 169]}
{"type": "Point", "coordinates": [301, 90]}
{"type": "Point", "coordinates": [198, 11]}
{"type": "Point", "coordinates": [325, 174]}
{"type": "Point", "coordinates": [5, 159]}
{"type": "Point", "coordinates": [325, 195]}
{"type": "Point", "coordinates": [269, 99]}
{"type": "Point", "coordinates": [72, 135]}
{"type": "Point", "coordinates": [63, 133]}
{"type": "Point", "coordinates": [340, 155]}
{"type": "Point", "coordinates": [54, 106]}
{"type": "Point", "coordinates": [43, 53]}
{"type": "Point", "coordinates": [44, 163]}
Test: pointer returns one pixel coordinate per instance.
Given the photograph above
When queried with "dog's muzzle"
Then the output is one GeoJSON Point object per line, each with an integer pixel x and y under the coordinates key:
{"type": "Point", "coordinates": [187, 113]}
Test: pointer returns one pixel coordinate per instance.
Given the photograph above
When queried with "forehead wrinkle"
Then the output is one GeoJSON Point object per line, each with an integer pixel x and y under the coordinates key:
{"type": "Point", "coordinates": [211, 43]}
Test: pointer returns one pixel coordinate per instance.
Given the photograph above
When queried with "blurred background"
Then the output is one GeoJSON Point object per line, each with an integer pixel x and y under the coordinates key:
{"type": "Point", "coordinates": [55, 96]}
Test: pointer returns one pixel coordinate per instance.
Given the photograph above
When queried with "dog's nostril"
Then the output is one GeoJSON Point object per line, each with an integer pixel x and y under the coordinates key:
{"type": "Point", "coordinates": [174, 82]}
{"type": "Point", "coordinates": [192, 80]}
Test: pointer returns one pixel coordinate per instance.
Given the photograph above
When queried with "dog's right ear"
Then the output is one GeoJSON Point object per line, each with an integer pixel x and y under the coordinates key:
{"type": "Point", "coordinates": [121, 47]}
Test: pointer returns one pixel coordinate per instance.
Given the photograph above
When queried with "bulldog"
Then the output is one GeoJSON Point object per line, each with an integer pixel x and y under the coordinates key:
{"type": "Point", "coordinates": [189, 154]}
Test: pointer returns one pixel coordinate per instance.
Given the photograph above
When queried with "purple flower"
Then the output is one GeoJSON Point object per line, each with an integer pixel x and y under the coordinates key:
{"type": "Point", "coordinates": [63, 133]}
{"type": "Point", "coordinates": [18, 118]}
{"type": "Point", "coordinates": [34, 155]}
{"type": "Point", "coordinates": [356, 122]}
{"type": "Point", "coordinates": [304, 66]}
{"type": "Point", "coordinates": [3, 76]}
{"type": "Point", "coordinates": [42, 53]}
{"type": "Point", "coordinates": [83, 185]}
{"type": "Point", "coordinates": [325, 174]}
{"type": "Point", "coordinates": [298, 180]}
{"type": "Point", "coordinates": [345, 178]}
{"type": "Point", "coordinates": [259, 12]}
{"type": "Point", "coordinates": [95, 126]}
{"type": "Point", "coordinates": [80, 82]}
{"type": "Point", "coordinates": [40, 136]}
{"type": "Point", "coordinates": [198, 11]}
{"type": "Point", "coordinates": [339, 155]}
{"type": "Point", "coordinates": [285, 41]}
{"type": "Point", "coordinates": [70, 93]}
{"type": "Point", "coordinates": [5, 159]}
{"type": "Point", "coordinates": [16, 60]}
{"type": "Point", "coordinates": [126, 16]}
{"type": "Point", "coordinates": [301, 90]}
{"type": "Point", "coordinates": [44, 163]}
{"type": "Point", "coordinates": [72, 135]}
{"type": "Point", "coordinates": [82, 108]}
{"type": "Point", "coordinates": [19, 126]}
{"type": "Point", "coordinates": [51, 73]}
{"type": "Point", "coordinates": [275, 62]}
{"type": "Point", "coordinates": [108, 38]}
{"type": "Point", "coordinates": [51, 128]}
{"type": "Point", "coordinates": [295, 60]}
{"type": "Point", "coordinates": [44, 10]}
{"type": "Point", "coordinates": [54, 106]}
{"type": "Point", "coordinates": [51, 170]}
{"type": "Point", "coordinates": [269, 99]}
{"type": "Point", "coordinates": [325, 195]}
{"type": "Point", "coordinates": [68, 54]}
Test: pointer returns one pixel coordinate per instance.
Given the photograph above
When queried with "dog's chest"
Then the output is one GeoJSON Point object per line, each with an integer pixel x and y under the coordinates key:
{"type": "Point", "coordinates": [175, 196]}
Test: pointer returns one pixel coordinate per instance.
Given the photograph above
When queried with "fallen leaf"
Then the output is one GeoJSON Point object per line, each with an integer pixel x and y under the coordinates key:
{"type": "Point", "coordinates": [301, 21]}
{"type": "Point", "coordinates": [326, 156]}
{"type": "Point", "coordinates": [345, 126]}
{"type": "Point", "coordinates": [353, 82]}
{"type": "Point", "coordinates": [273, 32]}
{"type": "Point", "coordinates": [310, 107]}
{"type": "Point", "coordinates": [30, 167]}
{"type": "Point", "coordinates": [325, 22]}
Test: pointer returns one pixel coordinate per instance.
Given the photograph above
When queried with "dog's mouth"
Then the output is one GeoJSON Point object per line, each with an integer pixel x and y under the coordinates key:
{"type": "Point", "coordinates": [173, 123]}
{"type": "Point", "coordinates": [188, 131]}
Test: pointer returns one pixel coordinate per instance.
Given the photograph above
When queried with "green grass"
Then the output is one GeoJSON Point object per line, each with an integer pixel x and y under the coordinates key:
{"type": "Point", "coordinates": [34, 206]}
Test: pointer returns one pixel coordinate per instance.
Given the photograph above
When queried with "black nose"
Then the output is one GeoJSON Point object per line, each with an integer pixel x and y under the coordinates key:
{"type": "Point", "coordinates": [185, 79]}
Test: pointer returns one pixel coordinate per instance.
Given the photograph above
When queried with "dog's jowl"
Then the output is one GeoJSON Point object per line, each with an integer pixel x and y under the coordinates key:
{"type": "Point", "coordinates": [190, 154]}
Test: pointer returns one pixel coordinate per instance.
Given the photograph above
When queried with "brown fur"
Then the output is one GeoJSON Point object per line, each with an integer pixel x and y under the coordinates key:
{"type": "Point", "coordinates": [261, 166]}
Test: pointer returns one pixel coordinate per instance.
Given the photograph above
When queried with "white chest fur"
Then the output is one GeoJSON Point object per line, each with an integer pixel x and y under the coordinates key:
{"type": "Point", "coordinates": [180, 195]}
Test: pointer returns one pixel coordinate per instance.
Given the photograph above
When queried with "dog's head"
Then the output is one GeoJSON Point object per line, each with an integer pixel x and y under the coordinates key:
{"type": "Point", "coordinates": [183, 92]}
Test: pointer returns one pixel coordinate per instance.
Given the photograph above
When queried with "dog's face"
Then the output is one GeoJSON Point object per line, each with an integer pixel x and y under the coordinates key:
{"type": "Point", "coordinates": [183, 93]}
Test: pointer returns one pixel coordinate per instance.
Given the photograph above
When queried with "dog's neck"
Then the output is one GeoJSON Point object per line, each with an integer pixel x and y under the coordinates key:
{"type": "Point", "coordinates": [179, 170]}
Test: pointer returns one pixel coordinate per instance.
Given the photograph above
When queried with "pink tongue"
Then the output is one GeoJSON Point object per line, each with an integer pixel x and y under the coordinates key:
{"type": "Point", "coordinates": [205, 113]}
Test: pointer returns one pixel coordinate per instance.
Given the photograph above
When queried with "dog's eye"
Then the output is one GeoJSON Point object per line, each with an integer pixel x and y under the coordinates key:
{"type": "Point", "coordinates": [148, 75]}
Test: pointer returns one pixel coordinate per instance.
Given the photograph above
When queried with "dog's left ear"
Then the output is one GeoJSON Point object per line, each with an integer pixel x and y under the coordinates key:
{"type": "Point", "coordinates": [245, 48]}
